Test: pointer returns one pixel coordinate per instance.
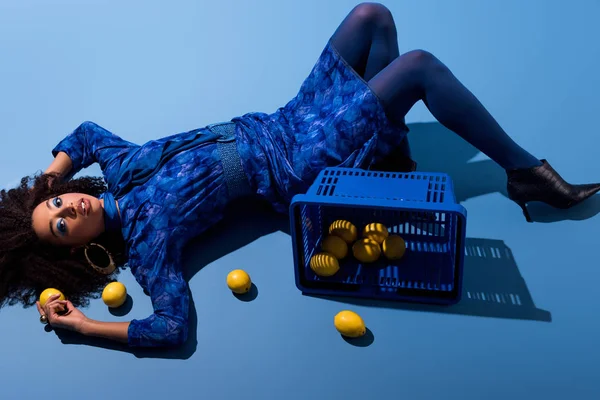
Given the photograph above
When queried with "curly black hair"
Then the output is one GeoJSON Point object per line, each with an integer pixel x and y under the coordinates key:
{"type": "Point", "coordinates": [28, 266]}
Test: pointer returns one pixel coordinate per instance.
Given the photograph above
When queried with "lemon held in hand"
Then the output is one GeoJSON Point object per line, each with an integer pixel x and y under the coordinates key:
{"type": "Point", "coordinates": [114, 294]}
{"type": "Point", "coordinates": [344, 229]}
{"type": "Point", "coordinates": [324, 264]}
{"type": "Point", "coordinates": [366, 250]}
{"type": "Point", "coordinates": [239, 281]}
{"type": "Point", "coordinates": [376, 231]}
{"type": "Point", "coordinates": [349, 324]}
{"type": "Point", "coordinates": [394, 247]}
{"type": "Point", "coordinates": [335, 245]}
{"type": "Point", "coordinates": [46, 294]}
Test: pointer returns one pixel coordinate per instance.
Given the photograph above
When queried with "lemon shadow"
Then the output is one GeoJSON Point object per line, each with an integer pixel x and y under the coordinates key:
{"type": "Point", "coordinates": [364, 341]}
{"type": "Point", "coordinates": [249, 296]}
{"type": "Point", "coordinates": [124, 309]}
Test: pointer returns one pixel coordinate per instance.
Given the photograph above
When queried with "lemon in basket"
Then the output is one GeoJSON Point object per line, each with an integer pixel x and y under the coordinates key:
{"type": "Point", "coordinates": [394, 247]}
{"type": "Point", "coordinates": [366, 250]}
{"type": "Point", "coordinates": [344, 229]}
{"type": "Point", "coordinates": [335, 246]}
{"type": "Point", "coordinates": [349, 324]}
{"type": "Point", "coordinates": [324, 264]}
{"type": "Point", "coordinates": [376, 231]}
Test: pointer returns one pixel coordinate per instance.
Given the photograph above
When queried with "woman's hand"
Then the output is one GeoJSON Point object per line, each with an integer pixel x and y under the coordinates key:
{"type": "Point", "coordinates": [62, 314]}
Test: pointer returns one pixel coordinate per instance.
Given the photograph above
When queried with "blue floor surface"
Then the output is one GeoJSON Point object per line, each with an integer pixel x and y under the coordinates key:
{"type": "Point", "coordinates": [527, 327]}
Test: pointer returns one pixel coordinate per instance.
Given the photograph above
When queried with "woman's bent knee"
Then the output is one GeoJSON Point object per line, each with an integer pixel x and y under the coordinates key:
{"type": "Point", "coordinates": [373, 14]}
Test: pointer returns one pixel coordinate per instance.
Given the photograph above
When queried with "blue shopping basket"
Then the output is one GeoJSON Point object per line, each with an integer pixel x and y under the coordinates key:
{"type": "Point", "coordinates": [419, 207]}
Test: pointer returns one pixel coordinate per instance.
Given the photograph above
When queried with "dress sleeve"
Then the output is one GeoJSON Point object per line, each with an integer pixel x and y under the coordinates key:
{"type": "Point", "coordinates": [169, 292]}
{"type": "Point", "coordinates": [90, 143]}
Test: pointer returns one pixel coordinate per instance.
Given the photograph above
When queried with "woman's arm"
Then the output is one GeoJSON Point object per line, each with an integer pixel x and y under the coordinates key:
{"type": "Point", "coordinates": [87, 144]}
{"type": "Point", "coordinates": [62, 314]}
{"type": "Point", "coordinates": [61, 165]}
{"type": "Point", "coordinates": [159, 262]}
{"type": "Point", "coordinates": [108, 330]}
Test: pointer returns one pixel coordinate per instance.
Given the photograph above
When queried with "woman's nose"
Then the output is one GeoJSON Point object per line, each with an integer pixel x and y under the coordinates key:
{"type": "Point", "coordinates": [68, 211]}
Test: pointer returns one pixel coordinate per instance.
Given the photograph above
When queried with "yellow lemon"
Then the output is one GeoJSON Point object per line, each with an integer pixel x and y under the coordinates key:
{"type": "Point", "coordinates": [50, 292]}
{"type": "Point", "coordinates": [394, 247]}
{"type": "Point", "coordinates": [336, 246]}
{"type": "Point", "coordinates": [344, 229]}
{"type": "Point", "coordinates": [349, 324]}
{"type": "Point", "coordinates": [239, 281]}
{"type": "Point", "coordinates": [366, 250]}
{"type": "Point", "coordinates": [114, 294]}
{"type": "Point", "coordinates": [324, 264]}
{"type": "Point", "coordinates": [376, 231]}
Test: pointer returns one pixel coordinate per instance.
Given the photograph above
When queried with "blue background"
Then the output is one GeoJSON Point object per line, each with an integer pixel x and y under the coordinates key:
{"type": "Point", "coordinates": [148, 69]}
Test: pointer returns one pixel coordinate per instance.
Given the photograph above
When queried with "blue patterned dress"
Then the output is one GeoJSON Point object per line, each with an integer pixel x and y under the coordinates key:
{"type": "Point", "coordinates": [334, 120]}
{"type": "Point", "coordinates": [172, 189]}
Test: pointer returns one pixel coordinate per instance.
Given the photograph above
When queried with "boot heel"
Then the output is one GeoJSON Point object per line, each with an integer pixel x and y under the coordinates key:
{"type": "Point", "coordinates": [525, 211]}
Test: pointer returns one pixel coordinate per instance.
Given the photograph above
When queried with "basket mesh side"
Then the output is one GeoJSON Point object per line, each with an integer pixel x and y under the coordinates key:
{"type": "Point", "coordinates": [428, 264]}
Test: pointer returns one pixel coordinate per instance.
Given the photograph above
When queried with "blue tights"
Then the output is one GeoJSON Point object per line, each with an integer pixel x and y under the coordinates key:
{"type": "Point", "coordinates": [367, 40]}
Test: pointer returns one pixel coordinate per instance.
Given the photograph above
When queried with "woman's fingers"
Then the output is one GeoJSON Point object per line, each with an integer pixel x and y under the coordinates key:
{"type": "Point", "coordinates": [57, 308]}
{"type": "Point", "coordinates": [53, 298]}
{"type": "Point", "coordinates": [54, 307]}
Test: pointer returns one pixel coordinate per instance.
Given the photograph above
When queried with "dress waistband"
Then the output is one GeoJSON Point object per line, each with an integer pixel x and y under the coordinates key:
{"type": "Point", "coordinates": [235, 177]}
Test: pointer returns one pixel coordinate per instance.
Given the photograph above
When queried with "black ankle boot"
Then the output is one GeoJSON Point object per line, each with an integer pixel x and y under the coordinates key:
{"type": "Point", "coordinates": [544, 184]}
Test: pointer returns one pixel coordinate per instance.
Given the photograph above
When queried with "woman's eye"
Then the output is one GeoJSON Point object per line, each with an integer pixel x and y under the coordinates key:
{"type": "Point", "coordinates": [61, 226]}
{"type": "Point", "coordinates": [57, 202]}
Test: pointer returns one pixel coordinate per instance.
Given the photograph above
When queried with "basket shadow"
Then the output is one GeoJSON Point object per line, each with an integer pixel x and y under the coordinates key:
{"type": "Point", "coordinates": [451, 154]}
{"type": "Point", "coordinates": [492, 287]}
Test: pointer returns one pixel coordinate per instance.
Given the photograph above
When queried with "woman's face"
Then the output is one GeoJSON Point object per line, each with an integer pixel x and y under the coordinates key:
{"type": "Point", "coordinates": [71, 219]}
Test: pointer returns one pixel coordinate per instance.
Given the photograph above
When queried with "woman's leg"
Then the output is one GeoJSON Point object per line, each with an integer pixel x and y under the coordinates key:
{"type": "Point", "coordinates": [367, 40]}
{"type": "Point", "coordinates": [418, 75]}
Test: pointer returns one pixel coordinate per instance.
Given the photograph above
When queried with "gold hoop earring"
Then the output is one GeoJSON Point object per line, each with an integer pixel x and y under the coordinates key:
{"type": "Point", "coordinates": [111, 264]}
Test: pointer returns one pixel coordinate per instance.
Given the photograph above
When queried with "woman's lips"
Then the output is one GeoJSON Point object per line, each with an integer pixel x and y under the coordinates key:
{"type": "Point", "coordinates": [84, 207]}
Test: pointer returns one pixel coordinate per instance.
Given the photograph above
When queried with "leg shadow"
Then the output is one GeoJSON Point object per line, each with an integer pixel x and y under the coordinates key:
{"type": "Point", "coordinates": [492, 287]}
{"type": "Point", "coordinates": [437, 149]}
